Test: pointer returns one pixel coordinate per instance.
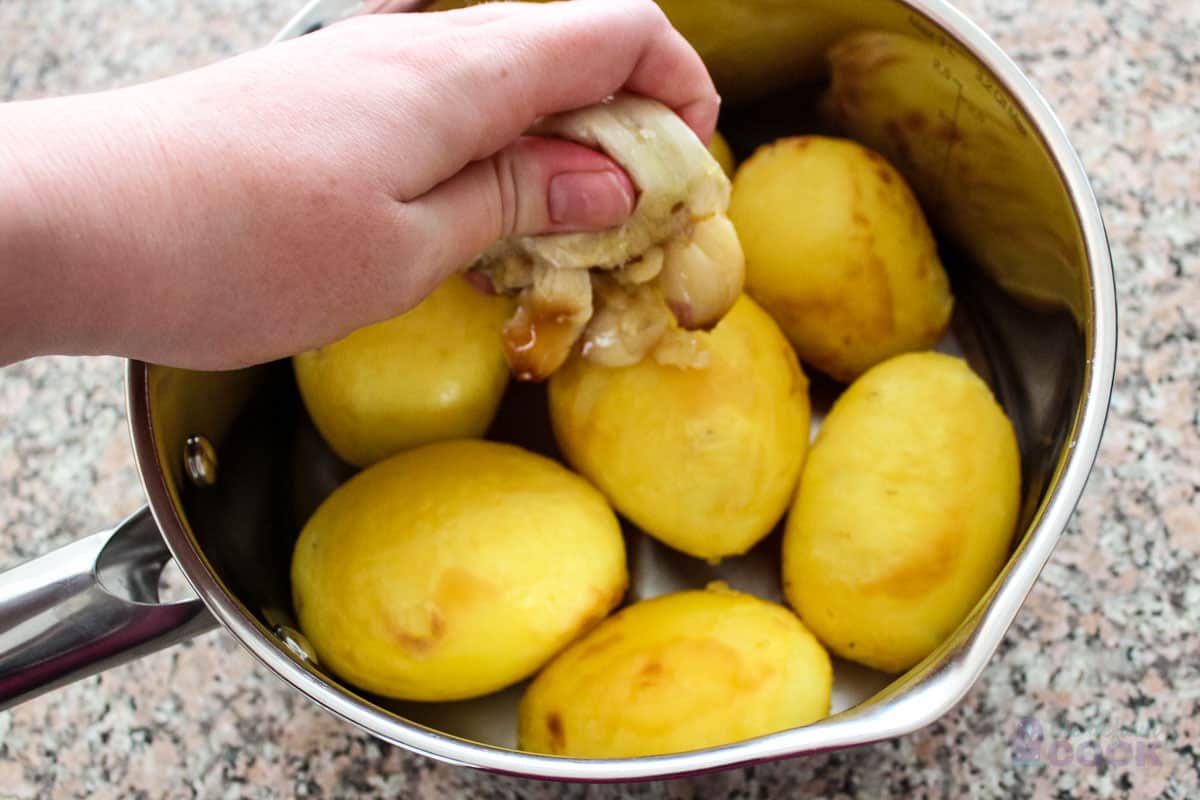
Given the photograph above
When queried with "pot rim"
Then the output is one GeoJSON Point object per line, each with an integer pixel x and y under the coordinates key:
{"type": "Point", "coordinates": [931, 689]}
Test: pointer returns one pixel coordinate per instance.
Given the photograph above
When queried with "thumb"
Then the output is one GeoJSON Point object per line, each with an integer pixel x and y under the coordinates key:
{"type": "Point", "coordinates": [534, 185]}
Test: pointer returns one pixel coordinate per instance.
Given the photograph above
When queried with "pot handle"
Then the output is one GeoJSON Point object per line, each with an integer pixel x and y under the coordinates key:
{"type": "Point", "coordinates": [87, 607]}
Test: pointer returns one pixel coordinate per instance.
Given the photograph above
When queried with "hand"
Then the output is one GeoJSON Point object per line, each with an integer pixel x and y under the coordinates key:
{"type": "Point", "coordinates": [278, 200]}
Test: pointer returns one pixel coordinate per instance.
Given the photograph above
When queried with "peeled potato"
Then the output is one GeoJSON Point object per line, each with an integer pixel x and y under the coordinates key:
{"type": "Point", "coordinates": [455, 569]}
{"type": "Point", "coordinates": [679, 672]}
{"type": "Point", "coordinates": [719, 148]}
{"type": "Point", "coordinates": [905, 511]}
{"type": "Point", "coordinates": [839, 253]}
{"type": "Point", "coordinates": [705, 460]}
{"type": "Point", "coordinates": [436, 372]}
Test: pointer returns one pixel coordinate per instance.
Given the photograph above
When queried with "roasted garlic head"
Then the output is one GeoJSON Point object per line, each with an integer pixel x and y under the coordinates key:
{"type": "Point", "coordinates": [674, 266]}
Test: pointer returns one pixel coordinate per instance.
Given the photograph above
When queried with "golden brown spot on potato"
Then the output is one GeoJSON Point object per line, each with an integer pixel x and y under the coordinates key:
{"type": "Point", "coordinates": [460, 590]}
{"type": "Point", "coordinates": [928, 566]}
{"type": "Point", "coordinates": [650, 673]}
{"type": "Point", "coordinates": [885, 175]}
{"type": "Point", "coordinates": [861, 220]}
{"type": "Point", "coordinates": [914, 121]}
{"type": "Point", "coordinates": [558, 736]}
{"type": "Point", "coordinates": [419, 643]}
{"type": "Point", "coordinates": [885, 318]}
{"type": "Point", "coordinates": [456, 593]}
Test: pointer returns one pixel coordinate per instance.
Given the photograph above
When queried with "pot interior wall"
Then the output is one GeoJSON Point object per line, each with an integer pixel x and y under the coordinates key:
{"type": "Point", "coordinates": [1009, 239]}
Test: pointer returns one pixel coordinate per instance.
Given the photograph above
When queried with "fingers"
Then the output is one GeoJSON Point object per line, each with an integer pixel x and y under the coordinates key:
{"type": "Point", "coordinates": [533, 186]}
{"type": "Point", "coordinates": [661, 69]}
{"type": "Point", "coordinates": [487, 83]}
{"type": "Point", "coordinates": [583, 47]}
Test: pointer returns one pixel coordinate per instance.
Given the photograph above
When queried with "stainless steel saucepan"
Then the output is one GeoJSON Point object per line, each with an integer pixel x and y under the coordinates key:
{"type": "Point", "coordinates": [231, 465]}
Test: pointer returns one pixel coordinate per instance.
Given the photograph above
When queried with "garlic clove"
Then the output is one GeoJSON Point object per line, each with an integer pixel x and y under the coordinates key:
{"type": "Point", "coordinates": [702, 275]}
{"type": "Point", "coordinates": [642, 269]}
{"type": "Point", "coordinates": [626, 326]}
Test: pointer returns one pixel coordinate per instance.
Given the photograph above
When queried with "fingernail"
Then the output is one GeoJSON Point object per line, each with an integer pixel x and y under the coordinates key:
{"type": "Point", "coordinates": [589, 199]}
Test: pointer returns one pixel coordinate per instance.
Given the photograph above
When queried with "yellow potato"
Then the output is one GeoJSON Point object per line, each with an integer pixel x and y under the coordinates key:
{"type": "Point", "coordinates": [680, 672]}
{"type": "Point", "coordinates": [437, 372]}
{"type": "Point", "coordinates": [905, 511]}
{"type": "Point", "coordinates": [839, 253]}
{"type": "Point", "coordinates": [719, 148]}
{"type": "Point", "coordinates": [706, 459]}
{"type": "Point", "coordinates": [455, 569]}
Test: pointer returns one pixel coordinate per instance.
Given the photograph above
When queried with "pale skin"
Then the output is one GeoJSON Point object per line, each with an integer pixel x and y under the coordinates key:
{"type": "Point", "coordinates": [278, 200]}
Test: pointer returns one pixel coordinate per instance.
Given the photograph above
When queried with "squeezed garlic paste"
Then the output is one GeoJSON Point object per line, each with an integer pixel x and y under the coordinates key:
{"type": "Point", "coordinates": [636, 290]}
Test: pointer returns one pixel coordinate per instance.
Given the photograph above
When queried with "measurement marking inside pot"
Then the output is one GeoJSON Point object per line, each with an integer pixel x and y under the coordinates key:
{"type": "Point", "coordinates": [952, 139]}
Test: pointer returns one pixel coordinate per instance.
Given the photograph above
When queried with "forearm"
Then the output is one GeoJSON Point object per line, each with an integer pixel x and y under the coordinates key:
{"type": "Point", "coordinates": [69, 198]}
{"type": "Point", "coordinates": [276, 201]}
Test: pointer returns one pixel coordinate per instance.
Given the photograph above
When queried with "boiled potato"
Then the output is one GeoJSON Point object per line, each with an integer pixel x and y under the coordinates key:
{"type": "Point", "coordinates": [905, 511]}
{"type": "Point", "coordinates": [455, 569]}
{"type": "Point", "coordinates": [436, 372]}
{"type": "Point", "coordinates": [704, 459]}
{"type": "Point", "coordinates": [839, 253]}
{"type": "Point", "coordinates": [679, 672]}
{"type": "Point", "coordinates": [719, 148]}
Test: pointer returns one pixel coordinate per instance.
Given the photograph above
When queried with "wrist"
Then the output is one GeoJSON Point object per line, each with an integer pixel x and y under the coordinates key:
{"type": "Point", "coordinates": [69, 216]}
{"type": "Point", "coordinates": [27, 306]}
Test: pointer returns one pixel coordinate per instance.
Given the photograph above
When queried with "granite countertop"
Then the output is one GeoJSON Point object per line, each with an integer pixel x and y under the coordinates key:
{"type": "Point", "coordinates": [1106, 646]}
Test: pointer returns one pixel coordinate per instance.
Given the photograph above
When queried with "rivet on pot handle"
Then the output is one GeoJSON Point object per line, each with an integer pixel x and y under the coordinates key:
{"type": "Point", "coordinates": [87, 607]}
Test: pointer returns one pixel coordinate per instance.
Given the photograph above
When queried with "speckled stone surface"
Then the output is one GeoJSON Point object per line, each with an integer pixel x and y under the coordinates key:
{"type": "Point", "coordinates": [1106, 647]}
